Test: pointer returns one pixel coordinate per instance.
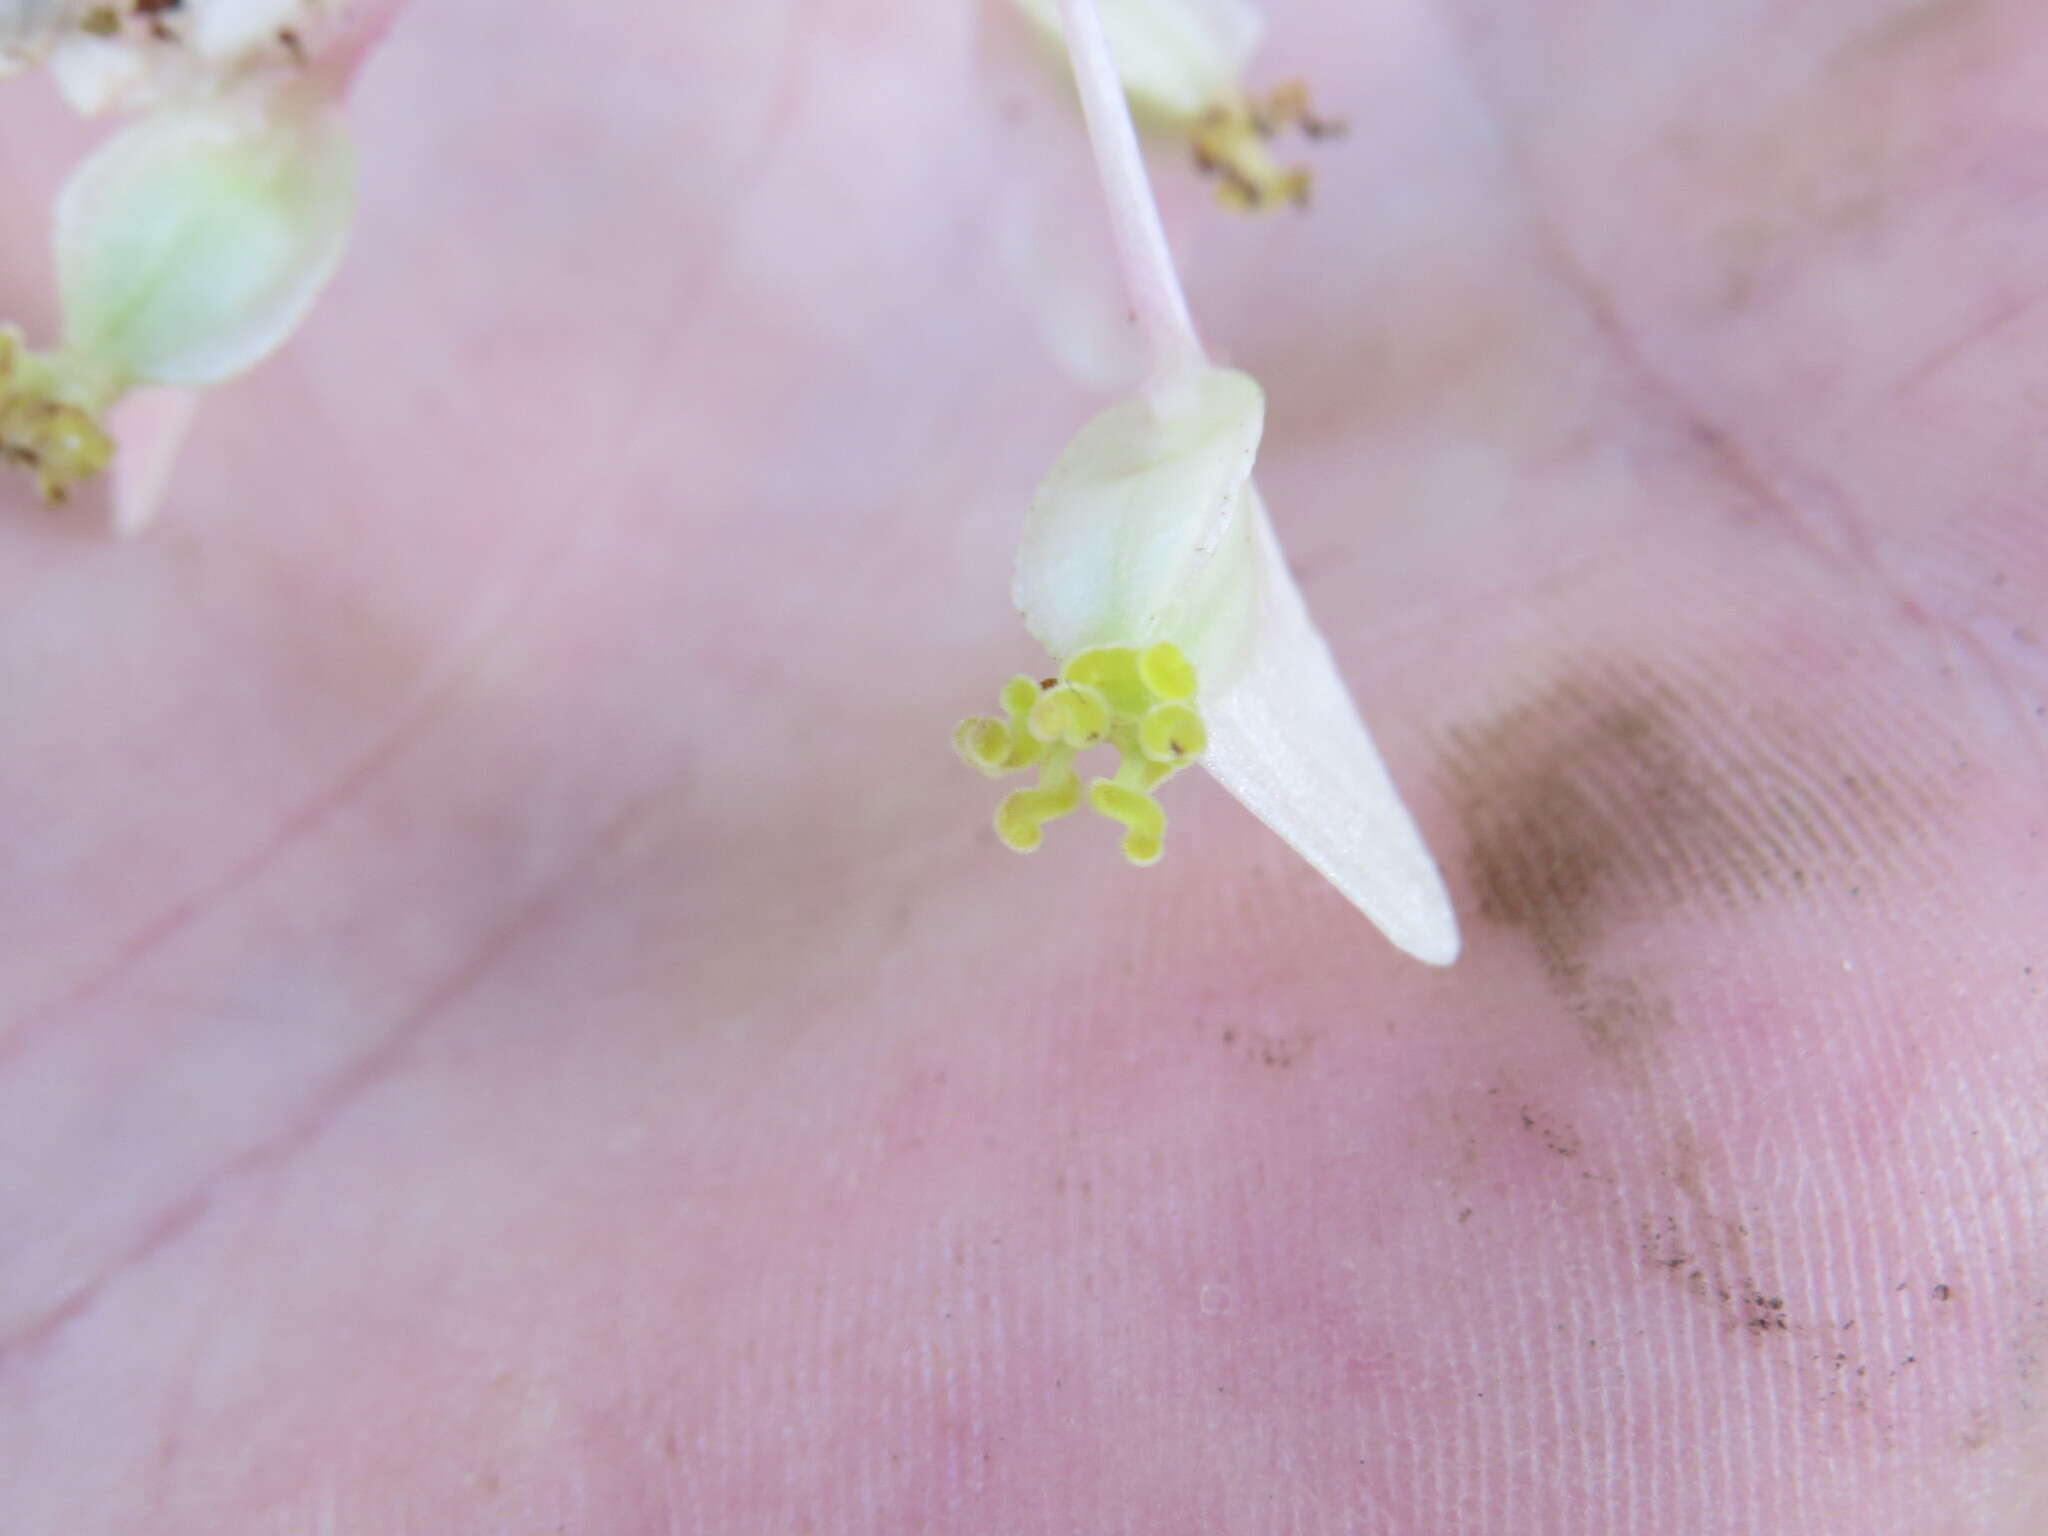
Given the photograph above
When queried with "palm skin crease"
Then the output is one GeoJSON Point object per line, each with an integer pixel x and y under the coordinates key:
{"type": "Point", "coordinates": [514, 1019]}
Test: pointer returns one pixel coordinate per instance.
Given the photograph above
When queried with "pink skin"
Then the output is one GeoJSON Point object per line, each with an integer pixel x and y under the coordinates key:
{"type": "Point", "coordinates": [514, 1020]}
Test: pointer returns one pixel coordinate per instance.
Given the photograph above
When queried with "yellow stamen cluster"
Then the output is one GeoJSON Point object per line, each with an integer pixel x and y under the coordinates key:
{"type": "Point", "coordinates": [1230, 140]}
{"type": "Point", "coordinates": [55, 439]}
{"type": "Point", "coordinates": [1139, 700]}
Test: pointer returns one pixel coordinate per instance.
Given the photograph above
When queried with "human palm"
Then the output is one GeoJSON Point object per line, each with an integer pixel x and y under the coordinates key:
{"type": "Point", "coordinates": [515, 1020]}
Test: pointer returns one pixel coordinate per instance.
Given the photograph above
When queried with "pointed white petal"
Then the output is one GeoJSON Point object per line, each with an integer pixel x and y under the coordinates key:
{"type": "Point", "coordinates": [1286, 740]}
{"type": "Point", "coordinates": [151, 425]}
{"type": "Point", "coordinates": [96, 73]}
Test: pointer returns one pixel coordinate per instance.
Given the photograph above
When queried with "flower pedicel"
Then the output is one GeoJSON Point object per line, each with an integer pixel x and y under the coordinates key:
{"type": "Point", "coordinates": [1148, 569]}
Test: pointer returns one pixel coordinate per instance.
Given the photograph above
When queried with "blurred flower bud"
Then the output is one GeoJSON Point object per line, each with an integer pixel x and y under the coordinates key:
{"type": "Point", "coordinates": [193, 242]}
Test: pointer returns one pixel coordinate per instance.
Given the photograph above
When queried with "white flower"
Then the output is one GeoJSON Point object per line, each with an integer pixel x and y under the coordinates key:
{"type": "Point", "coordinates": [189, 246]}
{"type": "Point", "coordinates": [1148, 569]}
{"type": "Point", "coordinates": [1182, 64]}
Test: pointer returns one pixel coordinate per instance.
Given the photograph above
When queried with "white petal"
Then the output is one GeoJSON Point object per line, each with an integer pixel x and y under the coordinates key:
{"type": "Point", "coordinates": [192, 243]}
{"type": "Point", "coordinates": [151, 426]}
{"type": "Point", "coordinates": [1122, 526]}
{"type": "Point", "coordinates": [1286, 740]}
{"type": "Point", "coordinates": [97, 73]}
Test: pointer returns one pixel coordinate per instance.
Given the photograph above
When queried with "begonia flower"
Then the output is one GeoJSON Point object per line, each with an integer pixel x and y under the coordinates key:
{"type": "Point", "coordinates": [1150, 572]}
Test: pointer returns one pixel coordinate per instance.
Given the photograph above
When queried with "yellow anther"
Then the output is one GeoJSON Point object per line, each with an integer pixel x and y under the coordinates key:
{"type": "Point", "coordinates": [1112, 671]}
{"type": "Point", "coordinates": [1172, 733]}
{"type": "Point", "coordinates": [1072, 713]}
{"type": "Point", "coordinates": [55, 439]}
{"type": "Point", "coordinates": [1140, 702]}
{"type": "Point", "coordinates": [1230, 144]}
{"type": "Point", "coordinates": [1018, 695]}
{"type": "Point", "coordinates": [1144, 822]}
{"type": "Point", "coordinates": [1166, 672]}
{"type": "Point", "coordinates": [996, 746]}
{"type": "Point", "coordinates": [1021, 818]}
{"type": "Point", "coordinates": [983, 742]}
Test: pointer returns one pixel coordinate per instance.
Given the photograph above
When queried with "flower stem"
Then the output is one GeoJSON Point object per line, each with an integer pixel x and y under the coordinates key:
{"type": "Point", "coordinates": [1150, 280]}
